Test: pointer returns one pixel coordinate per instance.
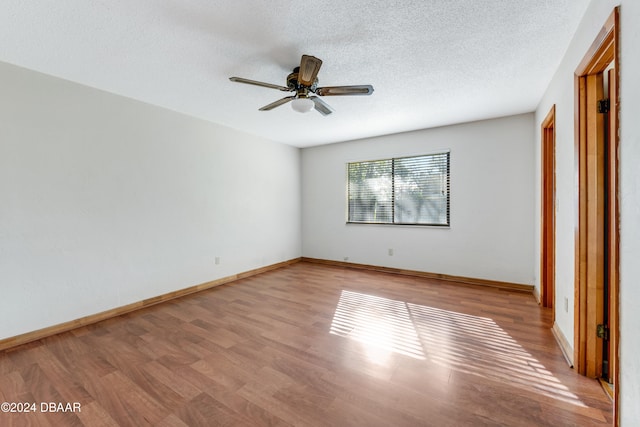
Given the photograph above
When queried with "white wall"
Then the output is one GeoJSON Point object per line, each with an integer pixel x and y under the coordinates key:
{"type": "Point", "coordinates": [491, 234]}
{"type": "Point", "coordinates": [105, 201]}
{"type": "Point", "coordinates": [630, 213]}
{"type": "Point", "coordinates": [561, 92]}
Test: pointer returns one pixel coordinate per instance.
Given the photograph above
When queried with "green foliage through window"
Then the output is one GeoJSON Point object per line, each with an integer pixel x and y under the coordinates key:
{"type": "Point", "coordinates": [408, 190]}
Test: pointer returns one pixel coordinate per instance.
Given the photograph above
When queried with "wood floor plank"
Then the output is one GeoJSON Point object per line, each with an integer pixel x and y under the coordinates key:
{"type": "Point", "coordinates": [311, 345]}
{"type": "Point", "coordinates": [93, 414]}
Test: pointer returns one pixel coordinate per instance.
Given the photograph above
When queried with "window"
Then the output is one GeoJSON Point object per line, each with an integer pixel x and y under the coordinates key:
{"type": "Point", "coordinates": [408, 190]}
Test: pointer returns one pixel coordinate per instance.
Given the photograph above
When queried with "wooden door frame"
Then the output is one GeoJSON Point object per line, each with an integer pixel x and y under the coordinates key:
{"type": "Point", "coordinates": [548, 212]}
{"type": "Point", "coordinates": [592, 176]}
{"type": "Point", "coordinates": [613, 248]}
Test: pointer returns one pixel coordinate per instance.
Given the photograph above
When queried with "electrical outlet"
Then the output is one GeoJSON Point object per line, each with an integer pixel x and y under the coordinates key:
{"type": "Point", "coordinates": [217, 260]}
{"type": "Point", "coordinates": [566, 304]}
{"type": "Point", "coordinates": [390, 252]}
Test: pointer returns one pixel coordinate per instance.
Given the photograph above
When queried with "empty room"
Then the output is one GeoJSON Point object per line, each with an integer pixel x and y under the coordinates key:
{"type": "Point", "coordinates": [409, 213]}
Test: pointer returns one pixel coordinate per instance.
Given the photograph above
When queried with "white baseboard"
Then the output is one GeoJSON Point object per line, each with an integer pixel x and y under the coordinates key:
{"type": "Point", "coordinates": [563, 343]}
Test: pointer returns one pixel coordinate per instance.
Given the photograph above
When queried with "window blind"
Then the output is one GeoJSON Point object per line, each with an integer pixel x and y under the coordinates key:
{"type": "Point", "coordinates": [409, 190]}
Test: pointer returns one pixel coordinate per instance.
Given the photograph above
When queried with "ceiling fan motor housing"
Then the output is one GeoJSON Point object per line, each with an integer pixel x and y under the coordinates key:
{"type": "Point", "coordinates": [294, 83]}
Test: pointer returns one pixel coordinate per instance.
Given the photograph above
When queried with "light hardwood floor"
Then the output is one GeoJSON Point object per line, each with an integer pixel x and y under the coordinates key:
{"type": "Point", "coordinates": [311, 345]}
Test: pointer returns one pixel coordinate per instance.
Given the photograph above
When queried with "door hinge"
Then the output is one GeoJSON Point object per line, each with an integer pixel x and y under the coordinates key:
{"type": "Point", "coordinates": [602, 331]}
{"type": "Point", "coordinates": [603, 106]}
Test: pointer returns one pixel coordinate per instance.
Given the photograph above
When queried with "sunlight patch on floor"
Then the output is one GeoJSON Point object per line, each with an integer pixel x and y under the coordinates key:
{"type": "Point", "coordinates": [470, 344]}
{"type": "Point", "coordinates": [380, 323]}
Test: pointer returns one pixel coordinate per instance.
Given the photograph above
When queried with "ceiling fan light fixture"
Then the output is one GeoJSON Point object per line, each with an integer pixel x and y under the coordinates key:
{"type": "Point", "coordinates": [302, 105]}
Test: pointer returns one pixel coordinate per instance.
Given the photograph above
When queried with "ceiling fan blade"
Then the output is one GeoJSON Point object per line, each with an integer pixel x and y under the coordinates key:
{"type": "Point", "coordinates": [345, 90]}
{"type": "Point", "coordinates": [309, 67]}
{"type": "Point", "coordinates": [257, 83]}
{"type": "Point", "coordinates": [278, 103]}
{"type": "Point", "coordinates": [321, 106]}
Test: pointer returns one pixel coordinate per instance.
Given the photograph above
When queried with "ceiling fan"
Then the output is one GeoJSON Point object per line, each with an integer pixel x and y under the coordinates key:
{"type": "Point", "coordinates": [304, 82]}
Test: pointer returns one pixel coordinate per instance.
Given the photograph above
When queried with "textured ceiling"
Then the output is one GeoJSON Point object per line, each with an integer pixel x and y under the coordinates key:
{"type": "Point", "coordinates": [431, 62]}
